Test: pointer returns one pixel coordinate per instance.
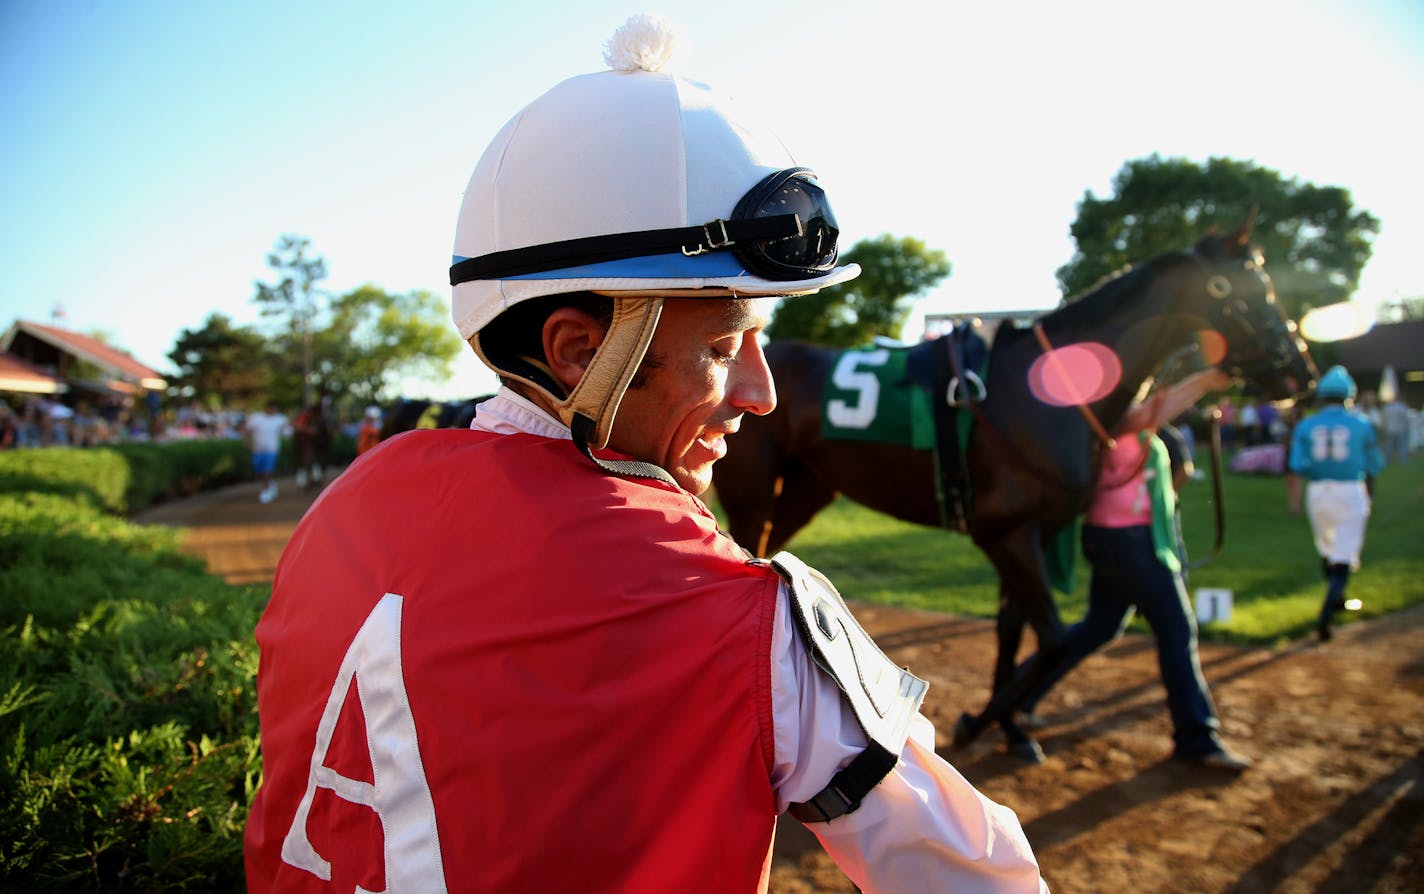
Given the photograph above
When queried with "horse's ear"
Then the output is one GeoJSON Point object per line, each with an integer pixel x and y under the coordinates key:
{"type": "Point", "coordinates": [1241, 236]}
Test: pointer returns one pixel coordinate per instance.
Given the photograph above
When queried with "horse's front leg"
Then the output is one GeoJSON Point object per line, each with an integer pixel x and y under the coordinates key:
{"type": "Point", "coordinates": [1024, 596]}
{"type": "Point", "coordinates": [1010, 627]}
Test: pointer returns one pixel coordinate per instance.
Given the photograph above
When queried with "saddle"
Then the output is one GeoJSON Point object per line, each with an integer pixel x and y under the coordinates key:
{"type": "Point", "coordinates": [951, 370]}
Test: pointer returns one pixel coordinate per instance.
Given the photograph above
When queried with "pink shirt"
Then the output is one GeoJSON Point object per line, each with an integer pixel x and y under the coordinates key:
{"type": "Point", "coordinates": [1122, 499]}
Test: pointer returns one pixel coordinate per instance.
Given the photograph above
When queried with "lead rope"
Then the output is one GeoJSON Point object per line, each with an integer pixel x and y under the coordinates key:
{"type": "Point", "coordinates": [1216, 491]}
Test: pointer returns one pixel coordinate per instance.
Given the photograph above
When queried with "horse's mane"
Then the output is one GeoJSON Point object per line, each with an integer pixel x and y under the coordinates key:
{"type": "Point", "coordinates": [1100, 300]}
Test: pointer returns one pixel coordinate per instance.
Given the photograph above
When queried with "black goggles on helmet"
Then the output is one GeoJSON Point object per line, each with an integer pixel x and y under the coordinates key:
{"type": "Point", "coordinates": [783, 229]}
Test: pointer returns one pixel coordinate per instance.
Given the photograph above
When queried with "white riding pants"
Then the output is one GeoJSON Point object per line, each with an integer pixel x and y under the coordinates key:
{"type": "Point", "coordinates": [1338, 511]}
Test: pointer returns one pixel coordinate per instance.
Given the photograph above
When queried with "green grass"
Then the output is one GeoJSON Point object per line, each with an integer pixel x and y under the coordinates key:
{"type": "Point", "coordinates": [1268, 560]}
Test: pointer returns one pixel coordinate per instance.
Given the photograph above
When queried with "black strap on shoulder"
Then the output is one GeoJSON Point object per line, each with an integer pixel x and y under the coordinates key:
{"type": "Point", "coordinates": [848, 787]}
{"type": "Point", "coordinates": [617, 246]}
{"type": "Point", "coordinates": [582, 427]}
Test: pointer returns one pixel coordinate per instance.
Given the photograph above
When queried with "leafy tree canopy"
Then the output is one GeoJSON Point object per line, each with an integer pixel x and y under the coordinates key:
{"type": "Point", "coordinates": [221, 364]}
{"type": "Point", "coordinates": [377, 338]}
{"type": "Point", "coordinates": [1315, 242]}
{"type": "Point", "coordinates": [295, 301]}
{"type": "Point", "coordinates": [894, 271]}
{"type": "Point", "coordinates": [355, 348]}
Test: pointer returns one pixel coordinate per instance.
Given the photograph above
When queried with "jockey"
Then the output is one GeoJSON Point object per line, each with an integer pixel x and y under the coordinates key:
{"type": "Point", "coordinates": [523, 657]}
{"type": "Point", "coordinates": [1337, 451]}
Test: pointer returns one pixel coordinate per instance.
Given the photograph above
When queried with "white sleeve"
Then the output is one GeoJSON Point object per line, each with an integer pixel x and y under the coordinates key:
{"type": "Point", "coordinates": [924, 828]}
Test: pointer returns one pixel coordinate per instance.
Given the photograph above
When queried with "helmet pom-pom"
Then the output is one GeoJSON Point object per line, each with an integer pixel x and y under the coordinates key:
{"type": "Point", "coordinates": [646, 42]}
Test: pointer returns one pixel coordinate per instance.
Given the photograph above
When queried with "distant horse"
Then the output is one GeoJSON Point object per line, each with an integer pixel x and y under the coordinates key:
{"type": "Point", "coordinates": [311, 442]}
{"type": "Point", "coordinates": [1030, 464]}
{"type": "Point", "coordinates": [406, 414]}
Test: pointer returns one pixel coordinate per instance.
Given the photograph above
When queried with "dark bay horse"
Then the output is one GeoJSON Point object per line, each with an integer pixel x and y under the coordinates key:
{"type": "Point", "coordinates": [311, 442]}
{"type": "Point", "coordinates": [408, 413]}
{"type": "Point", "coordinates": [1031, 464]}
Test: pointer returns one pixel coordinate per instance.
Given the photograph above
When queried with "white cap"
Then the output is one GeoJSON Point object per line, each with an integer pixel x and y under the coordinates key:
{"type": "Point", "coordinates": [620, 151]}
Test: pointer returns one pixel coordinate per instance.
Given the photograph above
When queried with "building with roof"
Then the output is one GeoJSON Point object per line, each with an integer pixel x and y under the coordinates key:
{"type": "Point", "coordinates": [39, 359]}
{"type": "Point", "coordinates": [1396, 347]}
{"type": "Point", "coordinates": [19, 377]}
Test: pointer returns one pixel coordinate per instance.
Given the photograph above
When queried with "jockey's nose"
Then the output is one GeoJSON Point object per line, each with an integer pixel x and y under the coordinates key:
{"type": "Point", "coordinates": [751, 388]}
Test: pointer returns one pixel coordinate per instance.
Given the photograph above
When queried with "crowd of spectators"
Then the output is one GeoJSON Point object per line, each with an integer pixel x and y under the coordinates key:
{"type": "Point", "coordinates": [37, 421]}
{"type": "Point", "coordinates": [1255, 433]}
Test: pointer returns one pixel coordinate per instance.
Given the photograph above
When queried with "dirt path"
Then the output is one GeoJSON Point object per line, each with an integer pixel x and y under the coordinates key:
{"type": "Point", "coordinates": [1335, 802]}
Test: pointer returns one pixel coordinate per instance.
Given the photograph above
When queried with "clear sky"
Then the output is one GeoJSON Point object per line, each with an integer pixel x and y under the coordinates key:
{"type": "Point", "coordinates": [152, 152]}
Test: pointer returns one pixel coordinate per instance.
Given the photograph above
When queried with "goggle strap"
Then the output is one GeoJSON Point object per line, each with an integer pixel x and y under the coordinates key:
{"type": "Point", "coordinates": [713, 235]}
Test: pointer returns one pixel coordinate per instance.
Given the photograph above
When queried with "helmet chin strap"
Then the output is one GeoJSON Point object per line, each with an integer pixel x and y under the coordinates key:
{"type": "Point", "coordinates": [589, 410]}
{"type": "Point", "coordinates": [598, 393]}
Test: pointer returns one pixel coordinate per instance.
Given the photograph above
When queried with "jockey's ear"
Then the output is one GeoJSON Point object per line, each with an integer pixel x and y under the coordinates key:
{"type": "Point", "coordinates": [571, 337]}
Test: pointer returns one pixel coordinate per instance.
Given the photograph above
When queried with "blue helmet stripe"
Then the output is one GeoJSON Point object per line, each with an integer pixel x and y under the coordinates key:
{"type": "Point", "coordinates": [713, 264]}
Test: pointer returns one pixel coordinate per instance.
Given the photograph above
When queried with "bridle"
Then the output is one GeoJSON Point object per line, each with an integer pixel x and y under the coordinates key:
{"type": "Point", "coordinates": [1258, 338]}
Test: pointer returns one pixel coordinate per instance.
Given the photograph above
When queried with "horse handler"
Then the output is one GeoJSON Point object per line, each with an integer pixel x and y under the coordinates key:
{"type": "Point", "coordinates": [1131, 540]}
{"type": "Point", "coordinates": [522, 657]}
{"type": "Point", "coordinates": [1338, 451]}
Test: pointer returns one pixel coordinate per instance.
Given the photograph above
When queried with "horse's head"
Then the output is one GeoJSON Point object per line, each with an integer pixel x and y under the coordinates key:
{"type": "Point", "coordinates": [1262, 345]}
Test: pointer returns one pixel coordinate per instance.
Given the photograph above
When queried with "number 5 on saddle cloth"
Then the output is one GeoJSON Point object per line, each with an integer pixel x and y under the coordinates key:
{"type": "Point", "coordinates": [884, 697]}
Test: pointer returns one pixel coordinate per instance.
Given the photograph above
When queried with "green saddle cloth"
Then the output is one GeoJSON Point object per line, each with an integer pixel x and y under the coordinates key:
{"type": "Point", "coordinates": [870, 397]}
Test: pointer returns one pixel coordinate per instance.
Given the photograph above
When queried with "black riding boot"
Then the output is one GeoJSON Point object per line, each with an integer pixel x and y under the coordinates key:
{"type": "Point", "coordinates": [1337, 575]}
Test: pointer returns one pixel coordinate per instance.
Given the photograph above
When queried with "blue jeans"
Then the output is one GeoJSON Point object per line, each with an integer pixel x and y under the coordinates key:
{"type": "Point", "coordinates": [1126, 576]}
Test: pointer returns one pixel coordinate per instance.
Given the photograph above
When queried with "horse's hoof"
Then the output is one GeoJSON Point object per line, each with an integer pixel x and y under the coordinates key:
{"type": "Point", "coordinates": [964, 731]}
{"type": "Point", "coordinates": [1028, 751]}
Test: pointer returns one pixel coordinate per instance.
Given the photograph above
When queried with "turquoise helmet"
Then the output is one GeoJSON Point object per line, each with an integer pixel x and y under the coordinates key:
{"type": "Point", "coordinates": [1336, 383]}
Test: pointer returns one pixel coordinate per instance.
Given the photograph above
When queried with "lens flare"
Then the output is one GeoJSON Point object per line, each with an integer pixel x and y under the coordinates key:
{"type": "Point", "coordinates": [1335, 322]}
{"type": "Point", "coordinates": [1075, 374]}
{"type": "Point", "coordinates": [1213, 346]}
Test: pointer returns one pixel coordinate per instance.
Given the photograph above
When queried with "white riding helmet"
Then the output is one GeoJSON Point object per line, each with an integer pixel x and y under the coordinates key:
{"type": "Point", "coordinates": [640, 185]}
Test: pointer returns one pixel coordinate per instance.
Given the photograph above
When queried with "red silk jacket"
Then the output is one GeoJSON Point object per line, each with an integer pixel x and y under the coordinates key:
{"type": "Point", "coordinates": [489, 666]}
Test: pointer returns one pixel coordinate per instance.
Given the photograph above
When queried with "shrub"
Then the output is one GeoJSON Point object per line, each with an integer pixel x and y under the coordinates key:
{"type": "Point", "coordinates": [128, 727]}
{"type": "Point", "coordinates": [125, 478]}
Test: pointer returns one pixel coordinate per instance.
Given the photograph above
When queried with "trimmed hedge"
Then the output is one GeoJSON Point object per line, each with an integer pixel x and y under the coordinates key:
{"type": "Point", "coordinates": [128, 725]}
{"type": "Point", "coordinates": [125, 478]}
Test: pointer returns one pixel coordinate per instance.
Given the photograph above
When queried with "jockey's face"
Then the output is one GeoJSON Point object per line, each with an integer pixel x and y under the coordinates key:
{"type": "Point", "coordinates": [703, 370]}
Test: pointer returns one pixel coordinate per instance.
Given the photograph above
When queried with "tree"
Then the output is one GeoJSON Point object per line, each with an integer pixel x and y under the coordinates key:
{"type": "Point", "coordinates": [894, 271]}
{"type": "Point", "coordinates": [376, 338]}
{"type": "Point", "coordinates": [221, 363]}
{"type": "Point", "coordinates": [295, 299]}
{"type": "Point", "coordinates": [1315, 241]}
